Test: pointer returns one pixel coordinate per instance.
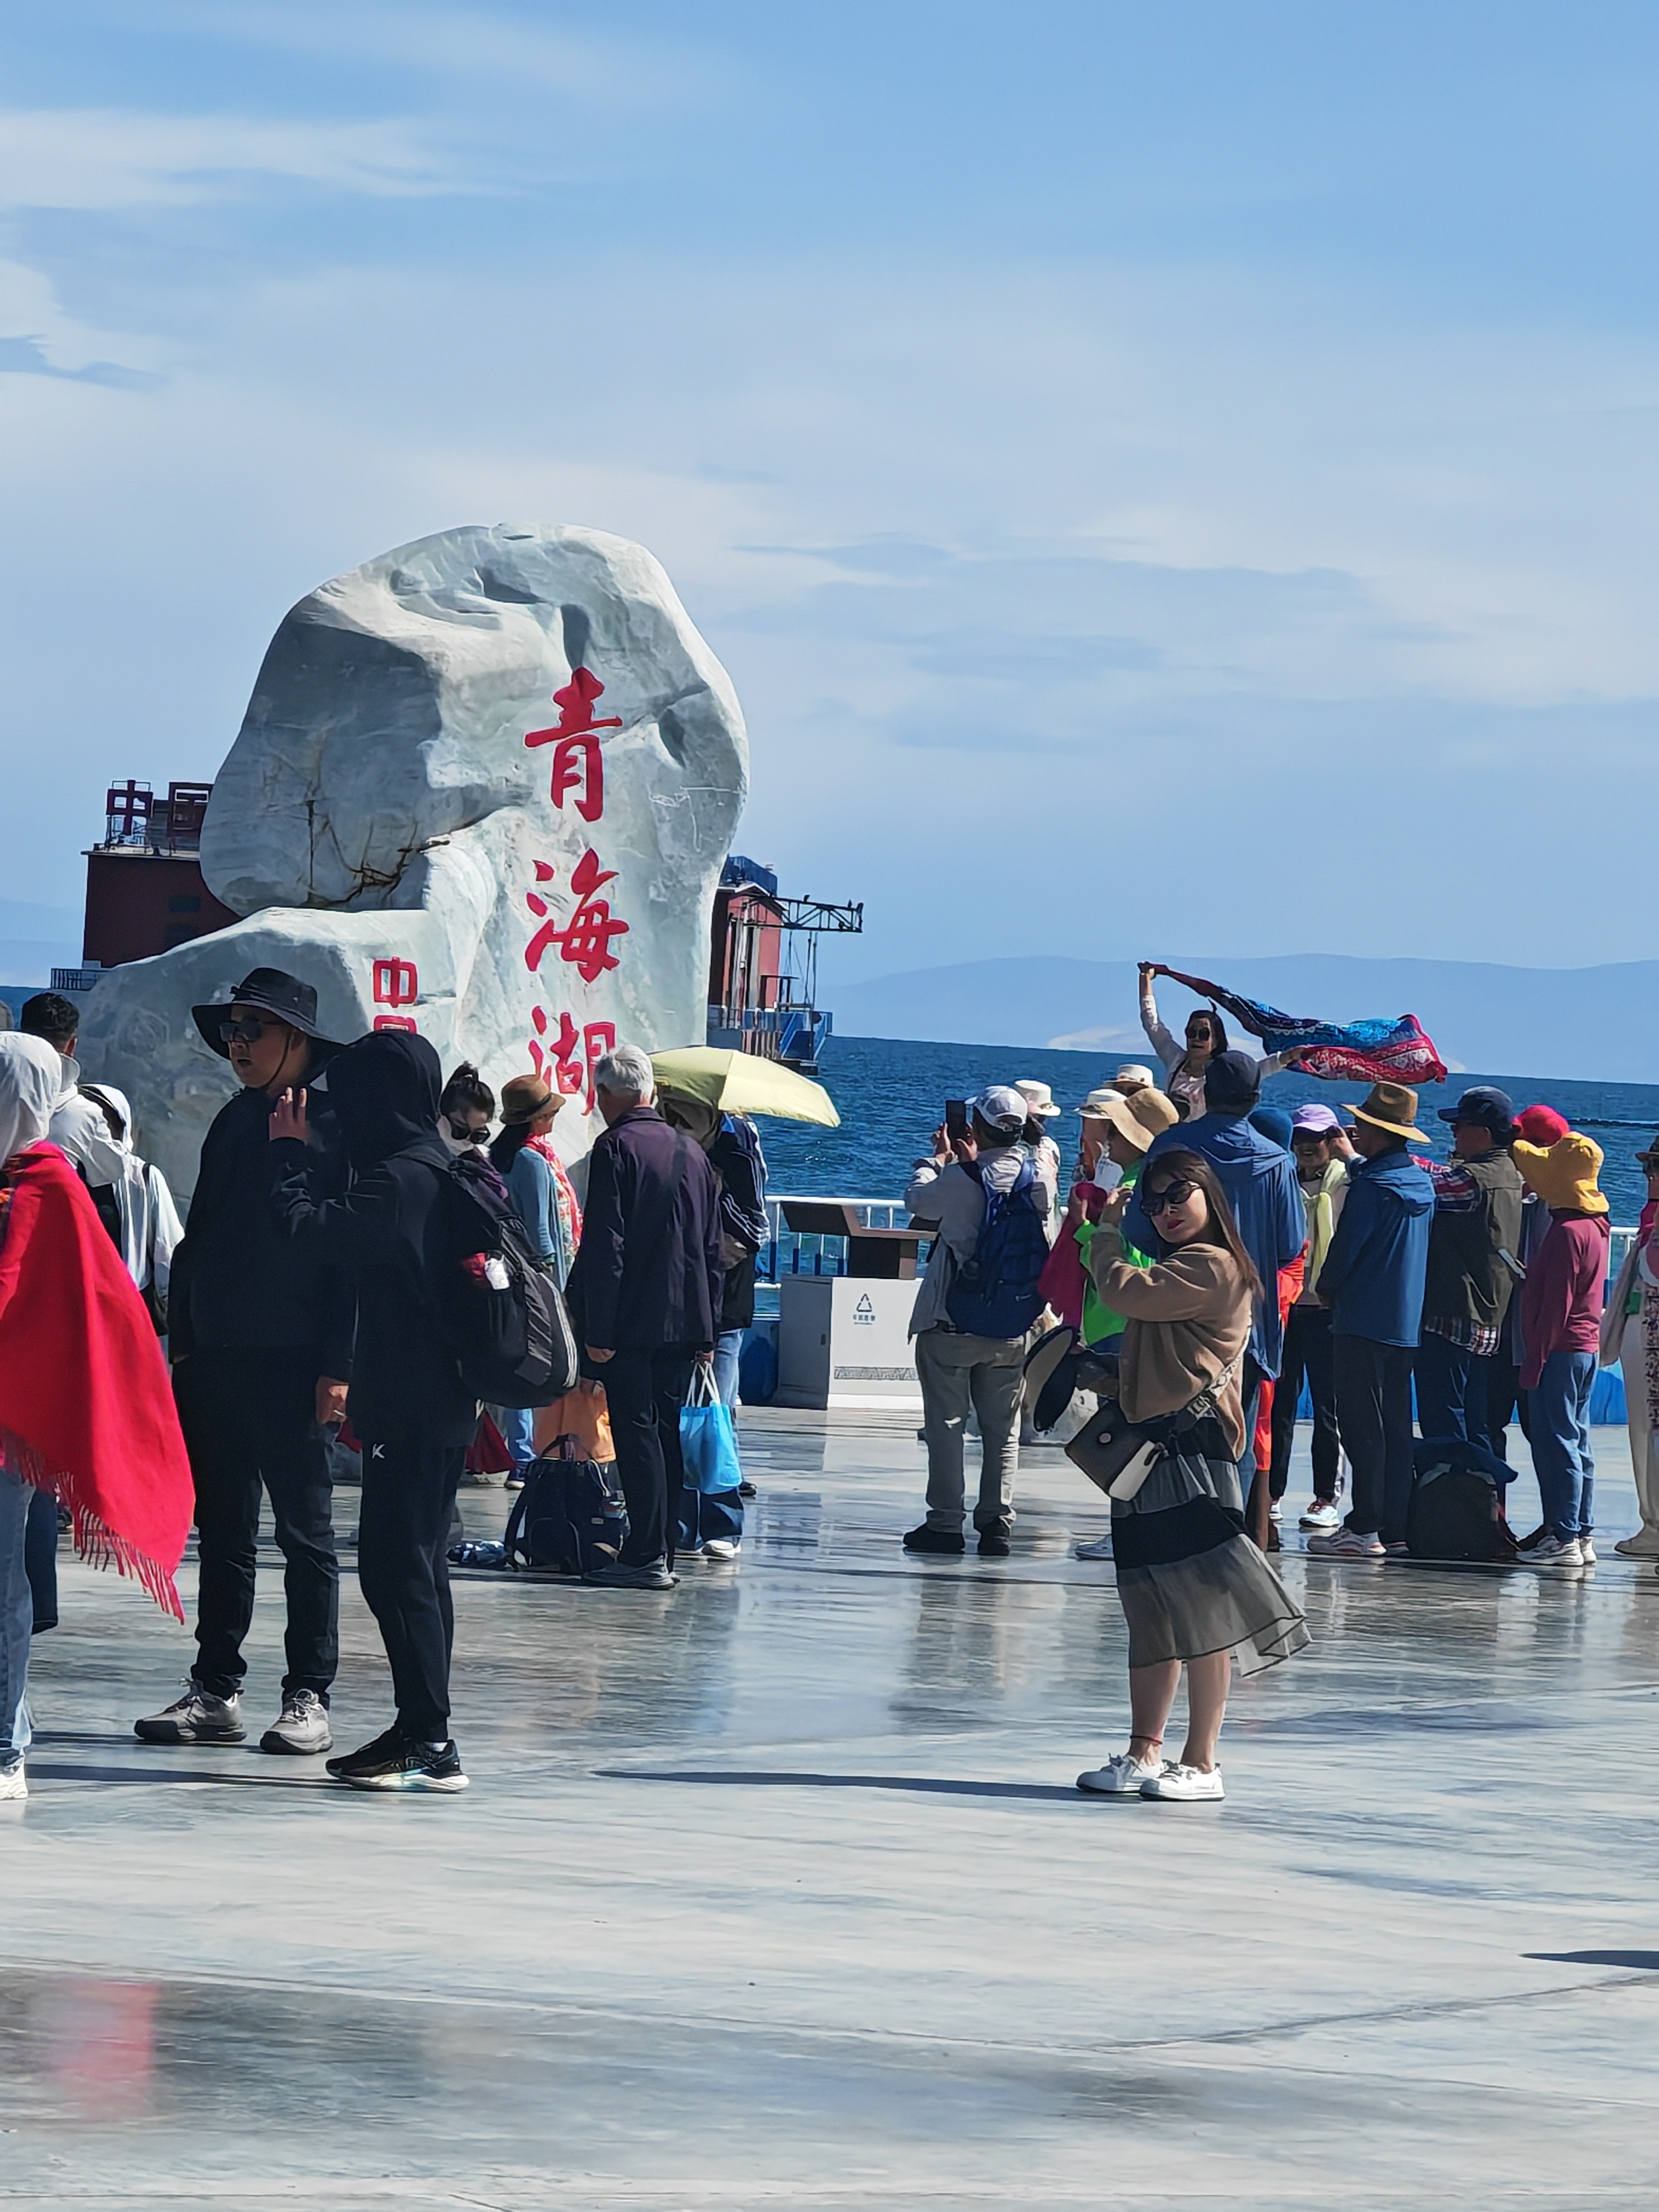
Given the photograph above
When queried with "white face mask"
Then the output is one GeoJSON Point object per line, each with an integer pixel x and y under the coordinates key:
{"type": "Point", "coordinates": [455, 1144]}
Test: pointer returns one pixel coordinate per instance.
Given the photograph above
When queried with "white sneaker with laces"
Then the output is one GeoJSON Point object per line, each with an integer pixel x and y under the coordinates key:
{"type": "Point", "coordinates": [1100, 1549]}
{"type": "Point", "coordinates": [301, 1727]}
{"type": "Point", "coordinates": [13, 1782]}
{"type": "Point", "coordinates": [1347, 1544]}
{"type": "Point", "coordinates": [1187, 1784]}
{"type": "Point", "coordinates": [720, 1548]}
{"type": "Point", "coordinates": [1321, 1514]}
{"type": "Point", "coordinates": [1587, 1551]}
{"type": "Point", "coordinates": [1276, 1510]}
{"type": "Point", "coordinates": [1120, 1777]}
{"type": "Point", "coordinates": [1551, 1551]}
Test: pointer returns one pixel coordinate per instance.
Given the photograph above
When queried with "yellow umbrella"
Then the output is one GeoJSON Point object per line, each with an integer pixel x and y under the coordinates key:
{"type": "Point", "coordinates": [742, 1083]}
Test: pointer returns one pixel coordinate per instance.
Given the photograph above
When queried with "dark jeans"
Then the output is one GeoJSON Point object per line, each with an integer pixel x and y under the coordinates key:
{"type": "Point", "coordinates": [645, 1390]}
{"type": "Point", "coordinates": [248, 1418]}
{"type": "Point", "coordinates": [1307, 1351]}
{"type": "Point", "coordinates": [1258, 1518]}
{"type": "Point", "coordinates": [1504, 1397]}
{"type": "Point", "coordinates": [1451, 1390]}
{"type": "Point", "coordinates": [1374, 1408]}
{"type": "Point", "coordinates": [40, 1558]}
{"type": "Point", "coordinates": [403, 1565]}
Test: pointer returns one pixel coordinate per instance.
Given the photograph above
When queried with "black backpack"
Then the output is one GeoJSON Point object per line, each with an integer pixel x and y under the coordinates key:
{"type": "Point", "coordinates": [567, 1520]}
{"type": "Point", "coordinates": [504, 1316]}
{"type": "Point", "coordinates": [1456, 1509]}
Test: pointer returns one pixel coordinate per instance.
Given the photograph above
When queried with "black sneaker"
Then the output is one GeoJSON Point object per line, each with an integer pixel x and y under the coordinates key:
{"type": "Point", "coordinates": [993, 1544]}
{"type": "Point", "coordinates": [947, 1542]}
{"type": "Point", "coordinates": [395, 1761]}
{"type": "Point", "coordinates": [655, 1578]}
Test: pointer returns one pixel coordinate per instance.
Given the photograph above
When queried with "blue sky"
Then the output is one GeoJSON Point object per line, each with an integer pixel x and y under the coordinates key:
{"type": "Point", "coordinates": [1154, 473]}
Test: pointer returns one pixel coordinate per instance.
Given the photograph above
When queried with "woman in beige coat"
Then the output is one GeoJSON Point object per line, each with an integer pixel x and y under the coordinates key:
{"type": "Point", "coordinates": [1195, 1589]}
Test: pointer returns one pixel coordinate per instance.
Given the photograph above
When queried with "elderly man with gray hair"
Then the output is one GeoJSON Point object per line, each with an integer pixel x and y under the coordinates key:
{"type": "Point", "coordinates": [645, 1297]}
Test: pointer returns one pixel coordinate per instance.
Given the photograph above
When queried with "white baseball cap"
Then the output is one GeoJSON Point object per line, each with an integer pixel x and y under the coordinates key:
{"type": "Point", "coordinates": [1001, 1106]}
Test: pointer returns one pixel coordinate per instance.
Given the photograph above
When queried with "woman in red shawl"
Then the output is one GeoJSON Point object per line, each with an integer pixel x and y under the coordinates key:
{"type": "Point", "coordinates": [86, 1412]}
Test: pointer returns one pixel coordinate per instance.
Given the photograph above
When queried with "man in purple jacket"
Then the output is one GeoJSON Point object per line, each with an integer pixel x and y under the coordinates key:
{"type": "Point", "coordinates": [645, 1298]}
{"type": "Point", "coordinates": [1560, 1330]}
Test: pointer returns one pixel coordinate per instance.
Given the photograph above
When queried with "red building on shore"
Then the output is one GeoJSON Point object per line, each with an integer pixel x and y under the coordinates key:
{"type": "Point", "coordinates": [145, 889]}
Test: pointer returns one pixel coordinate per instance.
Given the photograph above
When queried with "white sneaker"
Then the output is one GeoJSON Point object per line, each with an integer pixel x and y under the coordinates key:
{"type": "Point", "coordinates": [195, 1718]}
{"type": "Point", "coordinates": [12, 1781]}
{"type": "Point", "coordinates": [1322, 1514]}
{"type": "Point", "coordinates": [720, 1548]}
{"type": "Point", "coordinates": [1187, 1783]}
{"type": "Point", "coordinates": [1276, 1510]}
{"type": "Point", "coordinates": [1122, 1776]}
{"type": "Point", "coordinates": [1587, 1551]}
{"type": "Point", "coordinates": [301, 1726]}
{"type": "Point", "coordinates": [1102, 1548]}
{"type": "Point", "coordinates": [1347, 1544]}
{"type": "Point", "coordinates": [1551, 1550]}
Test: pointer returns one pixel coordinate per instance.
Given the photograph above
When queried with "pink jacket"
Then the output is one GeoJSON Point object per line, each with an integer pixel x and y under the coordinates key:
{"type": "Point", "coordinates": [1561, 1298]}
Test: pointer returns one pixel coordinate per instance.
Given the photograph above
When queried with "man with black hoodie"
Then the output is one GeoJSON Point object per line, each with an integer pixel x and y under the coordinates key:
{"type": "Point", "coordinates": [394, 1233]}
{"type": "Point", "coordinates": [1372, 1281]}
{"type": "Point", "coordinates": [261, 1338]}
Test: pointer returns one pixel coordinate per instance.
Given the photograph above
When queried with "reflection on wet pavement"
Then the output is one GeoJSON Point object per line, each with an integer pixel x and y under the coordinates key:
{"type": "Point", "coordinates": [777, 1890]}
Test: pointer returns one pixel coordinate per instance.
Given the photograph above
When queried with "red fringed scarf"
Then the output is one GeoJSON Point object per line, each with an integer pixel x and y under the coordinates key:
{"type": "Point", "coordinates": [86, 1409]}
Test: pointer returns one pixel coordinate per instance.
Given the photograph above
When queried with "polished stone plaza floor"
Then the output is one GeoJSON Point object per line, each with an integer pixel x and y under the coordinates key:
{"type": "Point", "coordinates": [776, 1891]}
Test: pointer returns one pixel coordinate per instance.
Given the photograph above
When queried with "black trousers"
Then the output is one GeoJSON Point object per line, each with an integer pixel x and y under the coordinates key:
{"type": "Point", "coordinates": [40, 1558]}
{"type": "Point", "coordinates": [249, 1418]}
{"type": "Point", "coordinates": [403, 1565]}
{"type": "Point", "coordinates": [645, 1391]}
{"type": "Point", "coordinates": [1374, 1408]}
{"type": "Point", "coordinates": [1452, 1388]}
{"type": "Point", "coordinates": [1504, 1397]}
{"type": "Point", "coordinates": [1307, 1351]}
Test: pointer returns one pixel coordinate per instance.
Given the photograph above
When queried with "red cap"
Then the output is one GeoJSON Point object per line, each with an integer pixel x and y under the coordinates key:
{"type": "Point", "coordinates": [1541, 1125]}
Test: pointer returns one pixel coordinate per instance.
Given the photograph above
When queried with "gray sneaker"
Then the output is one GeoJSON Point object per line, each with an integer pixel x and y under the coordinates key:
{"type": "Point", "coordinates": [196, 1717]}
{"type": "Point", "coordinates": [301, 1726]}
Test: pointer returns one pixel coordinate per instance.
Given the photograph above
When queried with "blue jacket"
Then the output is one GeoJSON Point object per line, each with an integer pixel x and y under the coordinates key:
{"type": "Point", "coordinates": [1373, 1275]}
{"type": "Point", "coordinates": [1259, 1178]}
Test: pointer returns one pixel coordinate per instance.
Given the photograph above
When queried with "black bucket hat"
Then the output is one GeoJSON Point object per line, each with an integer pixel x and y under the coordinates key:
{"type": "Point", "coordinates": [272, 993]}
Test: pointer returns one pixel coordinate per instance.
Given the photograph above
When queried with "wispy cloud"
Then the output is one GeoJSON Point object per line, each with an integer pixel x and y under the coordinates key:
{"type": "Point", "coordinates": [108, 158]}
{"type": "Point", "coordinates": [26, 356]}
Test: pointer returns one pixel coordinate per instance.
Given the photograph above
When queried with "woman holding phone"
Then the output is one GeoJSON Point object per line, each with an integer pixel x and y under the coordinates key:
{"type": "Point", "coordinates": [1195, 1591]}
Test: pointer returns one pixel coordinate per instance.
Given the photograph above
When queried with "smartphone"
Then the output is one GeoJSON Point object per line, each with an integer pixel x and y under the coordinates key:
{"type": "Point", "coordinates": [956, 1118]}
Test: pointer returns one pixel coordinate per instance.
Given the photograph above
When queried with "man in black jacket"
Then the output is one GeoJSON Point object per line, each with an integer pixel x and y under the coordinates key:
{"type": "Point", "coordinates": [395, 1231]}
{"type": "Point", "coordinates": [261, 1338]}
{"type": "Point", "coordinates": [645, 1297]}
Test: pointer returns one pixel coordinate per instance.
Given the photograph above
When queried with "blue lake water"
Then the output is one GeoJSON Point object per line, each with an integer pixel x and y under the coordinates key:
{"type": "Point", "coordinates": [891, 1093]}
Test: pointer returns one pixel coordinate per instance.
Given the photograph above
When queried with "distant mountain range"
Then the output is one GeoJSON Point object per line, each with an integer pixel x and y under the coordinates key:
{"type": "Point", "coordinates": [1596, 1023]}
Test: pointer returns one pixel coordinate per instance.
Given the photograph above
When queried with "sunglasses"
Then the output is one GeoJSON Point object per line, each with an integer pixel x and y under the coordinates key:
{"type": "Point", "coordinates": [1154, 1203]}
{"type": "Point", "coordinates": [249, 1030]}
{"type": "Point", "coordinates": [459, 1130]}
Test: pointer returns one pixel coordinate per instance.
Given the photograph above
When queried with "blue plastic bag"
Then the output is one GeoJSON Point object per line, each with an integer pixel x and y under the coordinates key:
{"type": "Point", "coordinates": [708, 1446]}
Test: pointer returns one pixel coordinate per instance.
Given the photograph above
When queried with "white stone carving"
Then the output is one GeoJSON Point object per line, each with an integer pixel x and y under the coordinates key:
{"type": "Point", "coordinates": [393, 839]}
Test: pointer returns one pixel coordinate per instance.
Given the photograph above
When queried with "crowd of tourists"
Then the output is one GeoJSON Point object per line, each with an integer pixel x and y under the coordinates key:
{"type": "Point", "coordinates": [306, 1304]}
{"type": "Point", "coordinates": [1166, 1303]}
{"type": "Point", "coordinates": [1215, 1258]}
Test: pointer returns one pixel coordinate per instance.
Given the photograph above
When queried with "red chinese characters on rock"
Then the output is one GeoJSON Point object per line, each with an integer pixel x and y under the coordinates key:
{"type": "Point", "coordinates": [577, 762]}
{"type": "Point", "coordinates": [558, 1061]}
{"type": "Point", "coordinates": [584, 941]}
{"type": "Point", "coordinates": [397, 983]}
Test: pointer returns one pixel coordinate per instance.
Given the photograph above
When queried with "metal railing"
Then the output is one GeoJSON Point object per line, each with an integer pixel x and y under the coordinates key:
{"type": "Point", "coordinates": [787, 1252]}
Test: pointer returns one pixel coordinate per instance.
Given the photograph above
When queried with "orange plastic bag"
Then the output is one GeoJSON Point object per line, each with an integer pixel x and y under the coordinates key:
{"type": "Point", "coordinates": [582, 1413]}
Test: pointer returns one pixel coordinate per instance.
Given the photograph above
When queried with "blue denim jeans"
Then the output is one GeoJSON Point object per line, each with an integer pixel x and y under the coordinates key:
{"type": "Point", "coordinates": [1561, 1443]}
{"type": "Point", "coordinates": [1451, 1390]}
{"type": "Point", "coordinates": [16, 1617]}
{"type": "Point", "coordinates": [518, 1426]}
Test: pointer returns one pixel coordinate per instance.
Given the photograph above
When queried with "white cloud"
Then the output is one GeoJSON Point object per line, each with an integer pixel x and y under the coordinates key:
{"type": "Point", "coordinates": [113, 158]}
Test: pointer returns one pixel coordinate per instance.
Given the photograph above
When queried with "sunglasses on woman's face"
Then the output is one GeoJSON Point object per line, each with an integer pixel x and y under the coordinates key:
{"type": "Point", "coordinates": [460, 1132]}
{"type": "Point", "coordinates": [1173, 1194]}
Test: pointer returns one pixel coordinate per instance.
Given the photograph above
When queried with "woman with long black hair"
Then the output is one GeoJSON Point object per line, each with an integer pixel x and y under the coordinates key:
{"type": "Point", "coordinates": [1195, 1591]}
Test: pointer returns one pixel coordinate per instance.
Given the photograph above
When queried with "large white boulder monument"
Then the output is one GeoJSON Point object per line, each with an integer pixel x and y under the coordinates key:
{"type": "Point", "coordinates": [484, 789]}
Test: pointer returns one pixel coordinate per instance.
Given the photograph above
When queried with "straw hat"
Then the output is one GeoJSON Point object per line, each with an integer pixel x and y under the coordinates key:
{"type": "Point", "coordinates": [1139, 1118]}
{"type": "Point", "coordinates": [1391, 1106]}
{"type": "Point", "coordinates": [1563, 1174]}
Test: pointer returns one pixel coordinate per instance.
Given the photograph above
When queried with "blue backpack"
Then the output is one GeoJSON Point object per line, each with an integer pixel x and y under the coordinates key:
{"type": "Point", "coordinates": [995, 1293]}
